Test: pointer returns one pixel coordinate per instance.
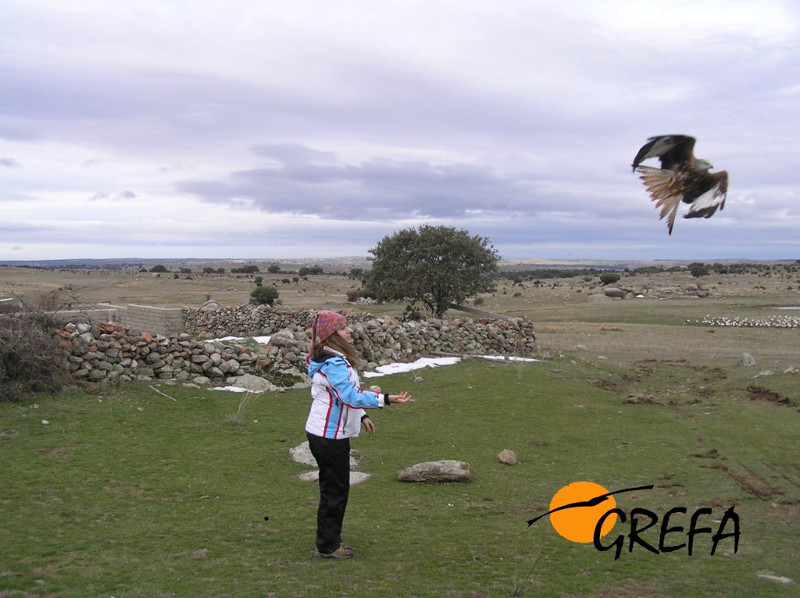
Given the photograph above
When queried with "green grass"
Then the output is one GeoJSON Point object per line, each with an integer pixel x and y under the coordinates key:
{"type": "Point", "coordinates": [126, 493]}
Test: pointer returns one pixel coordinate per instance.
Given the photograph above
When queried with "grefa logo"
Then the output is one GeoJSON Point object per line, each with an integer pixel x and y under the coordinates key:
{"type": "Point", "coordinates": [587, 512]}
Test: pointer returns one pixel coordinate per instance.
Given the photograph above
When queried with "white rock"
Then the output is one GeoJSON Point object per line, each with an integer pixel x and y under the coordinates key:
{"type": "Point", "coordinates": [302, 454]}
{"type": "Point", "coordinates": [356, 477]}
{"type": "Point", "coordinates": [436, 471]}
{"type": "Point", "coordinates": [253, 382]}
{"type": "Point", "coordinates": [775, 578]}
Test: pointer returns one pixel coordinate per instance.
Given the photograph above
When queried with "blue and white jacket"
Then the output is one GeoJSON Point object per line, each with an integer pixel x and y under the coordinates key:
{"type": "Point", "coordinates": [337, 401]}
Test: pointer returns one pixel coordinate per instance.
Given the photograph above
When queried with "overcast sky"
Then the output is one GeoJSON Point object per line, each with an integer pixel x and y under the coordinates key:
{"type": "Point", "coordinates": [298, 128]}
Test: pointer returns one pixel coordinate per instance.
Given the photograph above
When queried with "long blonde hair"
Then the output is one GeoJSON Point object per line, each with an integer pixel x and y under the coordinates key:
{"type": "Point", "coordinates": [337, 343]}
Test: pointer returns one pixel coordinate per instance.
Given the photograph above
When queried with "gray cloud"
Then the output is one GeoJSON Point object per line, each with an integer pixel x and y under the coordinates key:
{"type": "Point", "coordinates": [518, 124]}
{"type": "Point", "coordinates": [307, 181]}
{"type": "Point", "coordinates": [116, 196]}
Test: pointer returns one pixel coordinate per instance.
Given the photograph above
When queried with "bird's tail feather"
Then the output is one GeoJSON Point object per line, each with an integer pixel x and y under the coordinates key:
{"type": "Point", "coordinates": [657, 182]}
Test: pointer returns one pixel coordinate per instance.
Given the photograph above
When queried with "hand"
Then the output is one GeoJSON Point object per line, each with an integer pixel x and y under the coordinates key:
{"type": "Point", "coordinates": [401, 398]}
{"type": "Point", "coordinates": [369, 426]}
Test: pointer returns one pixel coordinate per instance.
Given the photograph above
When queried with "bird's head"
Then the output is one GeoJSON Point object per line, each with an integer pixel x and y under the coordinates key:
{"type": "Point", "coordinates": [703, 165]}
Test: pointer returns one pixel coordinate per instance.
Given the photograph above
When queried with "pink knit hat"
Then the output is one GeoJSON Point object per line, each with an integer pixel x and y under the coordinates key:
{"type": "Point", "coordinates": [325, 324]}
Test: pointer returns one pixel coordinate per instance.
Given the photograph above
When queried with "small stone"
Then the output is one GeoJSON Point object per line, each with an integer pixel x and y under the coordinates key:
{"type": "Point", "coordinates": [747, 360]}
{"type": "Point", "coordinates": [508, 457]}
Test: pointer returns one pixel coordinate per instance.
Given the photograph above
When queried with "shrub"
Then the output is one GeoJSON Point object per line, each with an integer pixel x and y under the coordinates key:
{"type": "Point", "coordinates": [609, 277]}
{"type": "Point", "coordinates": [30, 359]}
{"type": "Point", "coordinates": [697, 270]}
{"type": "Point", "coordinates": [310, 270]}
{"type": "Point", "coordinates": [412, 312]}
{"type": "Point", "coordinates": [264, 295]}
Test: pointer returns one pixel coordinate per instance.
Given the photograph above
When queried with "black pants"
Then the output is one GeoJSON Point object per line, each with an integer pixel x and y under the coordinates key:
{"type": "Point", "coordinates": [333, 459]}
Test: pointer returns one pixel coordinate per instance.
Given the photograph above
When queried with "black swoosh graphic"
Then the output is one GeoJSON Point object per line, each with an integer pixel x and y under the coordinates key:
{"type": "Point", "coordinates": [589, 503]}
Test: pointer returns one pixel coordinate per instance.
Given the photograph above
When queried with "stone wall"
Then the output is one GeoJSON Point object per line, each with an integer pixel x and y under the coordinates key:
{"type": "Point", "coordinates": [107, 352]}
{"type": "Point", "coordinates": [380, 339]}
{"type": "Point", "coordinates": [112, 351]}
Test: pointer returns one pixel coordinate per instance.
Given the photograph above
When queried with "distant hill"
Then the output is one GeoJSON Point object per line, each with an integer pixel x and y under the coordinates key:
{"type": "Point", "coordinates": [579, 264]}
{"type": "Point", "coordinates": [347, 262]}
{"type": "Point", "coordinates": [114, 263]}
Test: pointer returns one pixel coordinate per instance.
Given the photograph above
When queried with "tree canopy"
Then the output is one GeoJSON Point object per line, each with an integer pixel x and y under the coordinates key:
{"type": "Point", "coordinates": [698, 269]}
{"type": "Point", "coordinates": [609, 277]}
{"type": "Point", "coordinates": [435, 265]}
{"type": "Point", "coordinates": [264, 295]}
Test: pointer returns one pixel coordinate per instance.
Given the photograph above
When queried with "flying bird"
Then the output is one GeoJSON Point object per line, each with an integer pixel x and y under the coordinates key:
{"type": "Point", "coordinates": [681, 178]}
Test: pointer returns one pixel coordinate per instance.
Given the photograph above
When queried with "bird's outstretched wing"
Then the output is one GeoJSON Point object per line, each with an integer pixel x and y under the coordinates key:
{"type": "Point", "coordinates": [672, 150]}
{"type": "Point", "coordinates": [709, 192]}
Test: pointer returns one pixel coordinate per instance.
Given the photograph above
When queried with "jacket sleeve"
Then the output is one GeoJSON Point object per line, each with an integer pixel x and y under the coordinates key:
{"type": "Point", "coordinates": [337, 372]}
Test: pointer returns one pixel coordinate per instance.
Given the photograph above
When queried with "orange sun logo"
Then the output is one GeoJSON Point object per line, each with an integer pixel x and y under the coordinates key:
{"type": "Point", "coordinates": [576, 509]}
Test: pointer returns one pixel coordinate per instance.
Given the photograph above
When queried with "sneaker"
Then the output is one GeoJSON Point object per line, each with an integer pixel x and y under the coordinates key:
{"type": "Point", "coordinates": [343, 552]}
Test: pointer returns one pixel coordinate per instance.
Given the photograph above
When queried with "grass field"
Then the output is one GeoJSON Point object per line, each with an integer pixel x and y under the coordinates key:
{"type": "Point", "coordinates": [127, 493]}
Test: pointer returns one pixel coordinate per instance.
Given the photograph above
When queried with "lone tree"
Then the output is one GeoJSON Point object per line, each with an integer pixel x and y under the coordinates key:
{"type": "Point", "coordinates": [435, 265]}
{"type": "Point", "coordinates": [609, 277]}
{"type": "Point", "coordinates": [699, 269]}
{"type": "Point", "coordinates": [264, 295]}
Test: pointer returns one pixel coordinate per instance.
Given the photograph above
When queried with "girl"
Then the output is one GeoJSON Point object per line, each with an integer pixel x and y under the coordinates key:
{"type": "Point", "coordinates": [336, 415]}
